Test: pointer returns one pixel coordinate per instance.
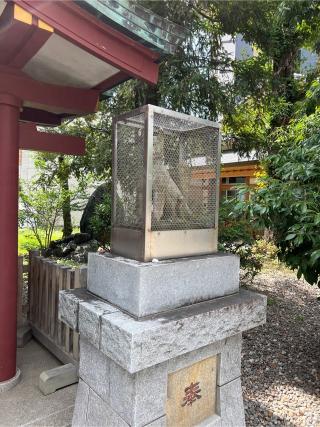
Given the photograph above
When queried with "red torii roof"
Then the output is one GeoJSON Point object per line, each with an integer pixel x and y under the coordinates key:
{"type": "Point", "coordinates": [58, 57]}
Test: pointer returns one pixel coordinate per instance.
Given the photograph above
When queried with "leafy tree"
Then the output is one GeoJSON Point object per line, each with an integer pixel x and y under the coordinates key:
{"type": "Point", "coordinates": [95, 165]}
{"type": "Point", "coordinates": [287, 199]}
{"type": "Point", "coordinates": [40, 209]}
{"type": "Point", "coordinates": [266, 86]}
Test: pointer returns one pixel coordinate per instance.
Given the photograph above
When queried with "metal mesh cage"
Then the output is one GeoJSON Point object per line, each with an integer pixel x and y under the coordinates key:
{"type": "Point", "coordinates": [182, 154]}
{"type": "Point", "coordinates": [185, 170]}
{"type": "Point", "coordinates": [129, 166]}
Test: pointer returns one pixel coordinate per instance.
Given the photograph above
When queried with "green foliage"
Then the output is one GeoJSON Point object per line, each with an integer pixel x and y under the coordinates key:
{"type": "Point", "coordinates": [265, 249]}
{"type": "Point", "coordinates": [288, 198]}
{"type": "Point", "coordinates": [233, 230]}
{"type": "Point", "coordinates": [101, 220]}
{"type": "Point", "coordinates": [237, 236]}
{"type": "Point", "coordinates": [40, 209]}
{"type": "Point", "coordinates": [27, 240]}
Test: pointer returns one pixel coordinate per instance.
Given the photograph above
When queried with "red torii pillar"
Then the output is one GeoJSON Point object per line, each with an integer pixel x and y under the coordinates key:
{"type": "Point", "coordinates": [15, 135]}
{"type": "Point", "coordinates": [9, 175]}
{"type": "Point", "coordinates": [26, 27]}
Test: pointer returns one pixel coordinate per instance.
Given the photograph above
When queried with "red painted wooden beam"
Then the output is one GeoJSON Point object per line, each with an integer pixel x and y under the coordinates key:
{"type": "Point", "coordinates": [40, 117]}
{"type": "Point", "coordinates": [19, 41]}
{"type": "Point", "coordinates": [12, 35]}
{"type": "Point", "coordinates": [31, 139]}
{"type": "Point", "coordinates": [44, 96]}
{"type": "Point", "coordinates": [96, 37]}
{"type": "Point", "coordinates": [30, 47]}
{"type": "Point", "coordinates": [112, 81]}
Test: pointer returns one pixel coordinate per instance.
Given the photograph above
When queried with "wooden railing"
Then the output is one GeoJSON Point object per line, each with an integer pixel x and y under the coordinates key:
{"type": "Point", "coordinates": [46, 279]}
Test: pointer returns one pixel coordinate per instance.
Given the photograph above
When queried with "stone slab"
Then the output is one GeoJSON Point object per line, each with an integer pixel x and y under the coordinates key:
{"type": "Point", "coordinates": [145, 288]}
{"type": "Point", "coordinates": [136, 345]}
{"type": "Point", "coordinates": [53, 379]}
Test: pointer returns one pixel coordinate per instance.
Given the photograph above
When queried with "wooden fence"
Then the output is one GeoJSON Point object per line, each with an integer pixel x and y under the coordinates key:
{"type": "Point", "coordinates": [46, 279]}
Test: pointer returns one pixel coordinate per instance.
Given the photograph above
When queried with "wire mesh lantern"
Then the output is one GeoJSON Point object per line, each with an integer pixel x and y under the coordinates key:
{"type": "Point", "coordinates": [165, 184]}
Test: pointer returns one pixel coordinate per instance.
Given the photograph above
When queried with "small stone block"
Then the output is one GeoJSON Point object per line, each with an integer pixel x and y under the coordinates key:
{"type": "Point", "coordinates": [145, 288]}
{"type": "Point", "coordinates": [90, 313]}
{"type": "Point", "coordinates": [69, 306]}
{"type": "Point", "coordinates": [53, 379]}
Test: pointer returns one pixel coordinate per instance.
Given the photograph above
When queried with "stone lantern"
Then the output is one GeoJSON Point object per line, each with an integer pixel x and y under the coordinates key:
{"type": "Point", "coordinates": [165, 176]}
{"type": "Point", "coordinates": [160, 328]}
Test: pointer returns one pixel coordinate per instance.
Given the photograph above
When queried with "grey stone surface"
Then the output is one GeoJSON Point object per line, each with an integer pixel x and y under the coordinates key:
{"type": "Point", "coordinates": [53, 379]}
{"type": "Point", "coordinates": [230, 404]}
{"type": "Point", "coordinates": [94, 369]}
{"type": "Point", "coordinates": [214, 421]}
{"type": "Point", "coordinates": [229, 364]}
{"type": "Point", "coordinates": [136, 345]}
{"type": "Point", "coordinates": [69, 306]}
{"type": "Point", "coordinates": [97, 411]}
{"type": "Point", "coordinates": [12, 382]}
{"type": "Point", "coordinates": [229, 367]}
{"type": "Point", "coordinates": [59, 418]}
{"type": "Point", "coordinates": [100, 414]}
{"type": "Point", "coordinates": [25, 404]}
{"type": "Point", "coordinates": [143, 289]}
{"type": "Point", "coordinates": [90, 313]}
{"type": "Point", "coordinates": [24, 335]}
{"type": "Point", "coordinates": [138, 398]}
{"type": "Point", "coordinates": [81, 405]}
{"type": "Point", "coordinates": [160, 422]}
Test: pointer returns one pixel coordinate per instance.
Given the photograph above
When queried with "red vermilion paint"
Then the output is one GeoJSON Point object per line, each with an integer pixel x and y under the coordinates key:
{"type": "Point", "coordinates": [9, 172]}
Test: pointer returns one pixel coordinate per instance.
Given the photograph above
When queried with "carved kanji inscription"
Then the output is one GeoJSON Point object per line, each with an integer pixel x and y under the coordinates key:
{"type": "Point", "coordinates": [192, 394]}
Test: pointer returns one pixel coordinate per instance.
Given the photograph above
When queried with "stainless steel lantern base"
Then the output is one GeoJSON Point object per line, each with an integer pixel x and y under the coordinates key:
{"type": "Point", "coordinates": [132, 243]}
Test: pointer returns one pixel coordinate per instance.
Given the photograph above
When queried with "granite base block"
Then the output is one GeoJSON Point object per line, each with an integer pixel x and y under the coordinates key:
{"type": "Point", "coordinates": [108, 395]}
{"type": "Point", "coordinates": [127, 366]}
{"type": "Point", "coordinates": [145, 288]}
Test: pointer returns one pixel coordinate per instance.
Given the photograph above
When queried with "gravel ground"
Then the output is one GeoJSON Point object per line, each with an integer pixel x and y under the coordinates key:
{"type": "Point", "coordinates": [281, 360]}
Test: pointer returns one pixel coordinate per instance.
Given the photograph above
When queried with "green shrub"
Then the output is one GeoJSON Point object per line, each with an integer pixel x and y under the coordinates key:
{"type": "Point", "coordinates": [266, 249]}
{"type": "Point", "coordinates": [237, 236]}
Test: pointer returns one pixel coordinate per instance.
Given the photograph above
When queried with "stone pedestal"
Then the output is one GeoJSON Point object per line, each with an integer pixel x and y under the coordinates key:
{"type": "Point", "coordinates": [176, 368]}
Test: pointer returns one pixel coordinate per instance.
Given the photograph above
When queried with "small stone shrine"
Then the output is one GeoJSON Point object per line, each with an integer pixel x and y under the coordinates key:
{"type": "Point", "coordinates": [161, 321]}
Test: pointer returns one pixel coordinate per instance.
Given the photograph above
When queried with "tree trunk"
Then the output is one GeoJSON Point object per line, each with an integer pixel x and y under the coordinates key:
{"type": "Point", "coordinates": [66, 213]}
{"type": "Point", "coordinates": [66, 208]}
